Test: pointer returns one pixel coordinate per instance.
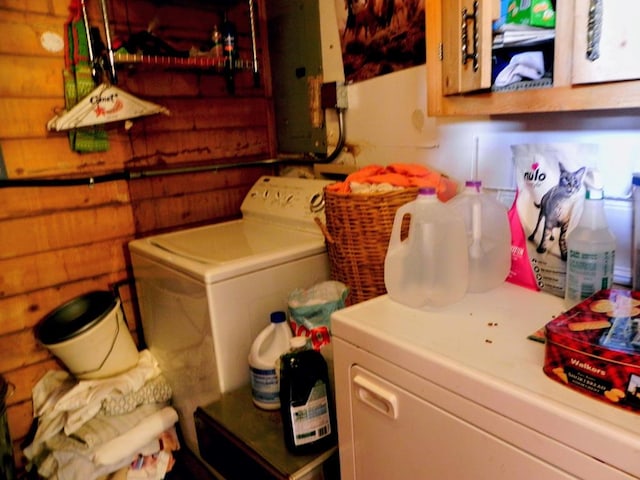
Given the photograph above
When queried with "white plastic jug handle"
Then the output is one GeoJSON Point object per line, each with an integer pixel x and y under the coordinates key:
{"type": "Point", "coordinates": [259, 341]}
{"type": "Point", "coordinates": [396, 230]}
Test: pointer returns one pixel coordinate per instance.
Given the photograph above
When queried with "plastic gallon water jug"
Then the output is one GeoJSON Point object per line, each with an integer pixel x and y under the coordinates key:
{"type": "Point", "coordinates": [429, 267]}
{"type": "Point", "coordinates": [307, 408]}
{"type": "Point", "coordinates": [264, 356]}
{"type": "Point", "coordinates": [488, 236]}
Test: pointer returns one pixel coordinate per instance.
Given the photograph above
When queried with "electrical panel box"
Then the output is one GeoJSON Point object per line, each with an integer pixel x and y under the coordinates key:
{"type": "Point", "coordinates": [295, 51]}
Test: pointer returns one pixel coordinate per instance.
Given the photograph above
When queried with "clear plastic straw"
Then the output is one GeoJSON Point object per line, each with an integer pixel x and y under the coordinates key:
{"type": "Point", "coordinates": [474, 160]}
{"type": "Point", "coordinates": [475, 248]}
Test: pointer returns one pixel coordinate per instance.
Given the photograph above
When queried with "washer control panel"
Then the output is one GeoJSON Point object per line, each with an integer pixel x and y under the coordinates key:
{"type": "Point", "coordinates": [288, 200]}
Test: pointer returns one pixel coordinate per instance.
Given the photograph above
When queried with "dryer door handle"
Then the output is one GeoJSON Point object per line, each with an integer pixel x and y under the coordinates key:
{"type": "Point", "coordinates": [376, 396]}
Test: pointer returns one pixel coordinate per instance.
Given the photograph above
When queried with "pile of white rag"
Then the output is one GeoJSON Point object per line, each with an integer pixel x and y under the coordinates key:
{"type": "Point", "coordinates": [526, 65]}
{"type": "Point", "coordinates": [118, 427]}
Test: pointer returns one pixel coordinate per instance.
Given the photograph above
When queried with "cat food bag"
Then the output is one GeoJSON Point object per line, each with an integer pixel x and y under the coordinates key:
{"type": "Point", "coordinates": [548, 204]}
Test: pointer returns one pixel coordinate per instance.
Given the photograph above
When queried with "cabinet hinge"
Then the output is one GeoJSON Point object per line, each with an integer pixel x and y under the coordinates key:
{"type": "Point", "coordinates": [441, 51]}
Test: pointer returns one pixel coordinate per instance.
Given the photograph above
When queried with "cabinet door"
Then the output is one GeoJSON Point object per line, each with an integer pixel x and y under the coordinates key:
{"type": "Point", "coordinates": [466, 46]}
{"type": "Point", "coordinates": [606, 41]}
{"type": "Point", "coordinates": [399, 435]}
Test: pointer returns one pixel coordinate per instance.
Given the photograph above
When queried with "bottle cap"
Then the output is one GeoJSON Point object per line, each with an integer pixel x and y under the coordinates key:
{"type": "Point", "coordinates": [426, 191]}
{"type": "Point", "coordinates": [278, 317]}
{"type": "Point", "coordinates": [594, 185]}
{"type": "Point", "coordinates": [636, 179]}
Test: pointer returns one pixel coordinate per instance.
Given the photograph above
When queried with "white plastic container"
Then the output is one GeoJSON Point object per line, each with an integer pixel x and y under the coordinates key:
{"type": "Point", "coordinates": [269, 345]}
{"type": "Point", "coordinates": [635, 233]}
{"type": "Point", "coordinates": [488, 236]}
{"type": "Point", "coordinates": [90, 336]}
{"type": "Point", "coordinates": [591, 247]}
{"type": "Point", "coordinates": [428, 268]}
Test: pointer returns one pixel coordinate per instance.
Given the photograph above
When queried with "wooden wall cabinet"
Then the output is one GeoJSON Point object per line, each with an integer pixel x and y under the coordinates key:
{"type": "Point", "coordinates": [612, 82]}
{"type": "Point", "coordinates": [617, 45]}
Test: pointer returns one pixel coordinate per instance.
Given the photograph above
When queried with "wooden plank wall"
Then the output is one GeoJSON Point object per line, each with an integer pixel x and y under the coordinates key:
{"type": "Point", "coordinates": [58, 242]}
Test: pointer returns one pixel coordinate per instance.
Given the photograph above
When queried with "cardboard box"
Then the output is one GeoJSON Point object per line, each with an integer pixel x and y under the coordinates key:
{"type": "Point", "coordinates": [537, 13]}
{"type": "Point", "coordinates": [594, 348]}
{"type": "Point", "coordinates": [499, 13]}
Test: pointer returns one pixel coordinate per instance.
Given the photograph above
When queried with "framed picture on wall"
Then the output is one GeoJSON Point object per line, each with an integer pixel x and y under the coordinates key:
{"type": "Point", "coordinates": [379, 37]}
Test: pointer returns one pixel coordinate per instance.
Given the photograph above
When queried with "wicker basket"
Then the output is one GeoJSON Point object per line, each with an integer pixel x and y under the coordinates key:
{"type": "Point", "coordinates": [357, 236]}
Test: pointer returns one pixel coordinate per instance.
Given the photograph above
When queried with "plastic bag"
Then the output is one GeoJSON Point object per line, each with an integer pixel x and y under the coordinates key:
{"type": "Point", "coordinates": [310, 310]}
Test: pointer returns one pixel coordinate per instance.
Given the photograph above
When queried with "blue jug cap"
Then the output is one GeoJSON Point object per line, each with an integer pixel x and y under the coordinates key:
{"type": "Point", "coordinates": [636, 179]}
{"type": "Point", "coordinates": [278, 317]}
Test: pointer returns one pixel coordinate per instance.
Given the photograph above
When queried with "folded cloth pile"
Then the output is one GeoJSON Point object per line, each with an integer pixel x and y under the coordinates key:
{"type": "Point", "coordinates": [375, 178]}
{"type": "Point", "coordinates": [91, 429]}
{"type": "Point", "coordinates": [527, 65]}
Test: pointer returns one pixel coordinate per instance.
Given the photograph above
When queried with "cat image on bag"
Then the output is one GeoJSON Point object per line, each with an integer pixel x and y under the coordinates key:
{"type": "Point", "coordinates": [555, 208]}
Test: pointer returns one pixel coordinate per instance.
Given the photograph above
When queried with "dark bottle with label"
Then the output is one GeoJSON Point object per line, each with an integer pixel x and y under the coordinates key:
{"type": "Point", "coordinates": [306, 404]}
{"type": "Point", "coordinates": [229, 34]}
{"type": "Point", "coordinates": [229, 50]}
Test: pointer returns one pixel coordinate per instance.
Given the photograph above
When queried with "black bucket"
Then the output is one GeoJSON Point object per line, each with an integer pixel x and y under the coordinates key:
{"type": "Point", "coordinates": [7, 465]}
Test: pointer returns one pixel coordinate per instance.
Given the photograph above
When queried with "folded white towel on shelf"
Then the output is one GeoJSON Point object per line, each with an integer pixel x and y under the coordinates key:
{"type": "Point", "coordinates": [529, 65]}
{"type": "Point", "coordinates": [155, 390]}
{"type": "Point", "coordinates": [102, 428]}
{"type": "Point", "coordinates": [127, 445]}
{"type": "Point", "coordinates": [91, 428]}
{"type": "Point", "coordinates": [62, 403]}
{"type": "Point", "coordinates": [84, 401]}
{"type": "Point", "coordinates": [71, 460]}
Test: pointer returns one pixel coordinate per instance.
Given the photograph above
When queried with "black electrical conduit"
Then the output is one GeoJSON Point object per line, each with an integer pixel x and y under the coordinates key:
{"type": "Point", "coordinates": [128, 175]}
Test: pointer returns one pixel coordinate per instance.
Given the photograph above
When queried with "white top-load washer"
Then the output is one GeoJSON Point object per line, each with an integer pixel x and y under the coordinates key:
{"type": "Point", "coordinates": [205, 293]}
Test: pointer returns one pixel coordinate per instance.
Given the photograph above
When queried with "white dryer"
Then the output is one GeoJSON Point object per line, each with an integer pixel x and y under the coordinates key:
{"type": "Point", "coordinates": [205, 293]}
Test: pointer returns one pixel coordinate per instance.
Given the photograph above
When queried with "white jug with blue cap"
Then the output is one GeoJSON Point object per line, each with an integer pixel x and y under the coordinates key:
{"type": "Point", "coordinates": [269, 345]}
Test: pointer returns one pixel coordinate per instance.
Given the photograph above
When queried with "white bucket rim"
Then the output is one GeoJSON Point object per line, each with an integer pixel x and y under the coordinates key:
{"type": "Point", "coordinates": [71, 331]}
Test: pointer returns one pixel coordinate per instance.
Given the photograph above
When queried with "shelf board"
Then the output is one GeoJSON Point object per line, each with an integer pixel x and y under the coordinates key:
{"type": "Point", "coordinates": [200, 62]}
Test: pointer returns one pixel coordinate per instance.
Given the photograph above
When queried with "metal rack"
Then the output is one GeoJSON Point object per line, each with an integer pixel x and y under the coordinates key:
{"type": "Point", "coordinates": [218, 65]}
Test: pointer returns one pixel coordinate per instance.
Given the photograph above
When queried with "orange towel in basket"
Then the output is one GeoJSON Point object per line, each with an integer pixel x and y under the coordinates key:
{"type": "Point", "coordinates": [400, 175]}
